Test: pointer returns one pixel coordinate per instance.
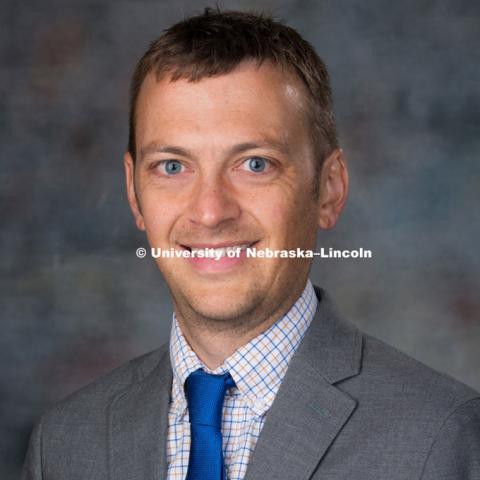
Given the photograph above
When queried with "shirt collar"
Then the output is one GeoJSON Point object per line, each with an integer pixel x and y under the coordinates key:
{"type": "Point", "coordinates": [257, 367]}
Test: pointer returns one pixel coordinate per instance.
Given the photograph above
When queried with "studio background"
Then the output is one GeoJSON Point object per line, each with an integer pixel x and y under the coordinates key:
{"type": "Point", "coordinates": [75, 299]}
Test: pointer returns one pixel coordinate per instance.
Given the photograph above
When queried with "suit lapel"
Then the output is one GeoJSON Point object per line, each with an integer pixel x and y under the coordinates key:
{"type": "Point", "coordinates": [309, 411]}
{"type": "Point", "coordinates": [138, 423]}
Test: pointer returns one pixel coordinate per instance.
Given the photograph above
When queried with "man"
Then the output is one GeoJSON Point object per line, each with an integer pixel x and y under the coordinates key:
{"type": "Point", "coordinates": [233, 149]}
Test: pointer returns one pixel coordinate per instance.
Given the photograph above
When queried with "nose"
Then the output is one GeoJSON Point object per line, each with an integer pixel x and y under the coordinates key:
{"type": "Point", "coordinates": [213, 202]}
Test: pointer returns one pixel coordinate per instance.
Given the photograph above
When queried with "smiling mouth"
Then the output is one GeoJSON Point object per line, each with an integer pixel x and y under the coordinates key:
{"type": "Point", "coordinates": [218, 250]}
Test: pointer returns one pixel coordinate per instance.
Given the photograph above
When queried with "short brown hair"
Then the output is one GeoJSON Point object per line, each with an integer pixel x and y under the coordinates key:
{"type": "Point", "coordinates": [216, 42]}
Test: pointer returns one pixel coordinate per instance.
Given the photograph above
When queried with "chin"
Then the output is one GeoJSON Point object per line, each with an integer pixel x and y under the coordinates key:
{"type": "Point", "coordinates": [223, 305]}
{"type": "Point", "coordinates": [218, 313]}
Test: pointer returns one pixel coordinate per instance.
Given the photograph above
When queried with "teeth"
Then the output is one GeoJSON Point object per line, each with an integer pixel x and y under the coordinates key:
{"type": "Point", "coordinates": [219, 252]}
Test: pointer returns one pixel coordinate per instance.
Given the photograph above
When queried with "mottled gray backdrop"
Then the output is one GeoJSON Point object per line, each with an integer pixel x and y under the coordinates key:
{"type": "Point", "coordinates": [75, 300]}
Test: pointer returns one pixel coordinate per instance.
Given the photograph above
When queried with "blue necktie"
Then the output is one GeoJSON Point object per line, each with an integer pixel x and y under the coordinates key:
{"type": "Point", "coordinates": [205, 394]}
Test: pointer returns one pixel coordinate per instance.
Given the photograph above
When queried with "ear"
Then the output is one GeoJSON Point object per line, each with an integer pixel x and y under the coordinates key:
{"type": "Point", "coordinates": [333, 189]}
{"type": "Point", "coordinates": [131, 194]}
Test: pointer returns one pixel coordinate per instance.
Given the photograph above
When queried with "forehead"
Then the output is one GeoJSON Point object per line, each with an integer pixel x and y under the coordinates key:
{"type": "Point", "coordinates": [250, 99]}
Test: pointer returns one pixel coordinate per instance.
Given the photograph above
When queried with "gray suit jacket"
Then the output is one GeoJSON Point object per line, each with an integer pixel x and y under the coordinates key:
{"type": "Point", "coordinates": [350, 407]}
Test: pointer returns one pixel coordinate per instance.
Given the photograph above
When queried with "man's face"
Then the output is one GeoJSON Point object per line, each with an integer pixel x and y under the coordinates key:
{"type": "Point", "coordinates": [226, 161]}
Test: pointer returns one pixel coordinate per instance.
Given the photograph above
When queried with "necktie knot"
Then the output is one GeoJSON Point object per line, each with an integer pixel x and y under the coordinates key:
{"type": "Point", "coordinates": [205, 394]}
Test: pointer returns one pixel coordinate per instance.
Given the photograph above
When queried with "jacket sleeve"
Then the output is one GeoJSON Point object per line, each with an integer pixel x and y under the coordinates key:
{"type": "Point", "coordinates": [32, 467]}
{"type": "Point", "coordinates": [455, 451]}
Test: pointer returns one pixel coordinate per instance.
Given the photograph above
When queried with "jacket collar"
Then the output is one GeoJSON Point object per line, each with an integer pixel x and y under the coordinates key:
{"type": "Point", "coordinates": [332, 346]}
{"type": "Point", "coordinates": [309, 411]}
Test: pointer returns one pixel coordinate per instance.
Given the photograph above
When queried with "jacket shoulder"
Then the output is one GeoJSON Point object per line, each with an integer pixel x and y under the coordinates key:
{"type": "Point", "coordinates": [388, 371]}
{"type": "Point", "coordinates": [79, 423]}
{"type": "Point", "coordinates": [91, 401]}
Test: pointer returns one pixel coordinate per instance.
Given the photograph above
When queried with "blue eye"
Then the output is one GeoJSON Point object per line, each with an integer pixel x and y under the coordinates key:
{"type": "Point", "coordinates": [257, 164]}
{"type": "Point", "coordinates": [172, 167]}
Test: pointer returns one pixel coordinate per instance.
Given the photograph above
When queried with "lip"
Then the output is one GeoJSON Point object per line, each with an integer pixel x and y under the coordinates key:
{"type": "Point", "coordinates": [224, 265]}
{"type": "Point", "coordinates": [234, 243]}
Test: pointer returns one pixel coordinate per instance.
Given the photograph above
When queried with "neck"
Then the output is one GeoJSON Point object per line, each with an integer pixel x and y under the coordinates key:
{"type": "Point", "coordinates": [213, 341]}
{"type": "Point", "coordinates": [213, 347]}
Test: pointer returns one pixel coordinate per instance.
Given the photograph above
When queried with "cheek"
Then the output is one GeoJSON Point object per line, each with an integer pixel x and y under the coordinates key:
{"type": "Point", "coordinates": [294, 218]}
{"type": "Point", "coordinates": [159, 216]}
{"type": "Point", "coordinates": [275, 213]}
{"type": "Point", "coordinates": [288, 206]}
{"type": "Point", "coordinates": [268, 207]}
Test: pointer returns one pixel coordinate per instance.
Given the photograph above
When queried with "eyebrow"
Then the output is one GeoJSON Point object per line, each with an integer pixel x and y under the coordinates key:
{"type": "Point", "coordinates": [154, 147]}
